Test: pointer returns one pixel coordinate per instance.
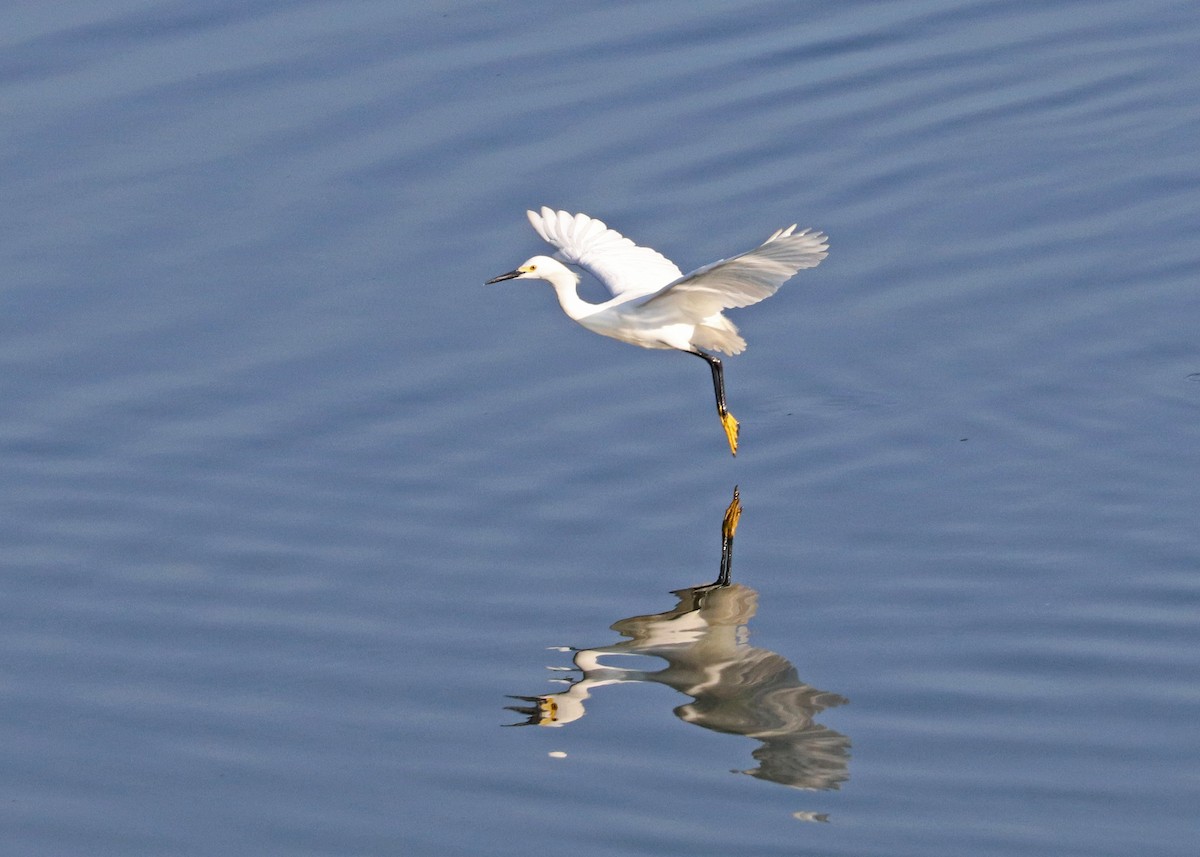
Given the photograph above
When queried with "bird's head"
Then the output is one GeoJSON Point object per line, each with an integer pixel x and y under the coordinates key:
{"type": "Point", "coordinates": [538, 268]}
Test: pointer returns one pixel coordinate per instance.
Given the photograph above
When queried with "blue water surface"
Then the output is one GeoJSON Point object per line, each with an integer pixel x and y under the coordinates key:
{"type": "Point", "coordinates": [295, 513]}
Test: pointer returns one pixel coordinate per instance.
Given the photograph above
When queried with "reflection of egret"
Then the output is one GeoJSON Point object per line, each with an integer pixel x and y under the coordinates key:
{"type": "Point", "coordinates": [735, 687]}
{"type": "Point", "coordinates": [654, 305]}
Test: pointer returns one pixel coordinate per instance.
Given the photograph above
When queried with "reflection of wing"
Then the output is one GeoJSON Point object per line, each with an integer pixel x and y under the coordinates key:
{"type": "Point", "coordinates": [745, 279]}
{"type": "Point", "coordinates": [816, 758]}
{"type": "Point", "coordinates": [759, 695]}
{"type": "Point", "coordinates": [623, 267]}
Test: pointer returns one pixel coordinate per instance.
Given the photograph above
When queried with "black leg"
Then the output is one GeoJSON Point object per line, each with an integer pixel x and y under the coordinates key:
{"type": "Point", "coordinates": [727, 420]}
{"type": "Point", "coordinates": [718, 376]}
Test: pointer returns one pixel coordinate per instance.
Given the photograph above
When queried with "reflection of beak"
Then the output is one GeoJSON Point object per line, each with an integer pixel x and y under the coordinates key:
{"type": "Point", "coordinates": [544, 712]}
{"type": "Point", "coordinates": [511, 275]}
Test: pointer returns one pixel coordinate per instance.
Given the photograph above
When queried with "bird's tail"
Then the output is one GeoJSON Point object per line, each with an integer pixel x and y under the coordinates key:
{"type": "Point", "coordinates": [717, 333]}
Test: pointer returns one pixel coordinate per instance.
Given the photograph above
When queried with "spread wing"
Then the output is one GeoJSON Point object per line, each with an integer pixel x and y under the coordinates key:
{"type": "Point", "coordinates": [742, 280]}
{"type": "Point", "coordinates": [623, 267]}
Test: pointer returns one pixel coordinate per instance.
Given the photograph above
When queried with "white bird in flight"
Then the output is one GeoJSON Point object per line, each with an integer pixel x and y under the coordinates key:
{"type": "Point", "coordinates": [653, 304]}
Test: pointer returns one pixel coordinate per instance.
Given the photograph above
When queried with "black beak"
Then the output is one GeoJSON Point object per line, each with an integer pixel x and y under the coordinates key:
{"type": "Point", "coordinates": [511, 275]}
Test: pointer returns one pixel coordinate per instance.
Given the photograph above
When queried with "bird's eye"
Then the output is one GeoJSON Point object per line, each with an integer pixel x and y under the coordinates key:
{"type": "Point", "coordinates": [533, 267]}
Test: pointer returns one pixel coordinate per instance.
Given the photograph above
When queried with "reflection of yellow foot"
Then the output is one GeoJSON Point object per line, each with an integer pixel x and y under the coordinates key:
{"type": "Point", "coordinates": [731, 430]}
{"type": "Point", "coordinates": [732, 515]}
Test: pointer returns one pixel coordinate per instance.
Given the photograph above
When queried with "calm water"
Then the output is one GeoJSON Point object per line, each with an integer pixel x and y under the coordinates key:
{"type": "Point", "coordinates": [293, 506]}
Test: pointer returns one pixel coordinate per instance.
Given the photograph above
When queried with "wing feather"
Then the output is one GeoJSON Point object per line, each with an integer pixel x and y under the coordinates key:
{"type": "Point", "coordinates": [744, 279]}
{"type": "Point", "coordinates": [622, 266]}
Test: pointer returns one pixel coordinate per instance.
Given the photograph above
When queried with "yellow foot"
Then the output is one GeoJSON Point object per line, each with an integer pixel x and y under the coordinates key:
{"type": "Point", "coordinates": [731, 430]}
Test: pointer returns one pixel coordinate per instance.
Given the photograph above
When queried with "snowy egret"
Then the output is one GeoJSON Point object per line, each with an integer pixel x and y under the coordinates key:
{"type": "Point", "coordinates": [653, 304]}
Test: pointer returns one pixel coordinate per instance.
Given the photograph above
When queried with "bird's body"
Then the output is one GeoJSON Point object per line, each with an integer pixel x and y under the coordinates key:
{"type": "Point", "coordinates": [654, 305]}
{"type": "Point", "coordinates": [627, 317]}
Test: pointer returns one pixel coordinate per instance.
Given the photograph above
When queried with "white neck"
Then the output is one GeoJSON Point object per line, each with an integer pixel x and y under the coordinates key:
{"type": "Point", "coordinates": [565, 283]}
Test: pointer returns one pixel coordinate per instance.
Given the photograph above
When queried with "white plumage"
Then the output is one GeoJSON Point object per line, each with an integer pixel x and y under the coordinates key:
{"type": "Point", "coordinates": [654, 304]}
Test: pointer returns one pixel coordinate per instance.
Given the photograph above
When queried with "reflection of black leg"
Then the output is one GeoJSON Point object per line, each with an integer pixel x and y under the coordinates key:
{"type": "Point", "coordinates": [727, 420]}
{"type": "Point", "coordinates": [728, 528]}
